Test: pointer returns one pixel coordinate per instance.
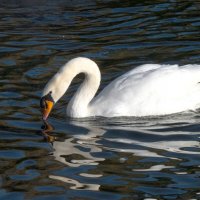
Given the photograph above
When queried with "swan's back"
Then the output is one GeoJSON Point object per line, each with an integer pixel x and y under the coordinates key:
{"type": "Point", "coordinates": [151, 90]}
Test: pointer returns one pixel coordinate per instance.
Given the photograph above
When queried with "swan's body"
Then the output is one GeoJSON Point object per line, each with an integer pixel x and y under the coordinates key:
{"type": "Point", "coordinates": [150, 89]}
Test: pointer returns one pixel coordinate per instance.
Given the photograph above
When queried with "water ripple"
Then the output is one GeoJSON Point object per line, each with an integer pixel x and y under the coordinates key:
{"type": "Point", "coordinates": [118, 158]}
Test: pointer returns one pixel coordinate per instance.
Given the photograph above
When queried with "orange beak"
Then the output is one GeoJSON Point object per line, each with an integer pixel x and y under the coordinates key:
{"type": "Point", "coordinates": [46, 111]}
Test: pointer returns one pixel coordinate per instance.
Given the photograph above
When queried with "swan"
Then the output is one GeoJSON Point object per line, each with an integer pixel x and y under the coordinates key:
{"type": "Point", "coordinates": [147, 90]}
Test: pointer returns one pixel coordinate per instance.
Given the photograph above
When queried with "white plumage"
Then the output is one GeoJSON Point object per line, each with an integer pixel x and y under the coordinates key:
{"type": "Point", "coordinates": [149, 89]}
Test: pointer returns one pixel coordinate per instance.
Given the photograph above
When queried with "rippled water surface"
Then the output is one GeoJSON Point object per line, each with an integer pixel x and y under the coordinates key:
{"type": "Point", "coordinates": [99, 158]}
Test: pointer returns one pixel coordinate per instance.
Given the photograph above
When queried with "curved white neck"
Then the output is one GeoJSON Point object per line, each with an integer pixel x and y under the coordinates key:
{"type": "Point", "coordinates": [79, 105]}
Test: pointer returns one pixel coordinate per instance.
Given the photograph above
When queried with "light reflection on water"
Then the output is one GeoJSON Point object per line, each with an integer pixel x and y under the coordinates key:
{"type": "Point", "coordinates": [146, 150]}
{"type": "Point", "coordinates": [99, 158]}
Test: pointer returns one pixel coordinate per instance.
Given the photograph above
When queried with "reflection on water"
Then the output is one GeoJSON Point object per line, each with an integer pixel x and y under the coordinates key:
{"type": "Point", "coordinates": [144, 156]}
{"type": "Point", "coordinates": [99, 158]}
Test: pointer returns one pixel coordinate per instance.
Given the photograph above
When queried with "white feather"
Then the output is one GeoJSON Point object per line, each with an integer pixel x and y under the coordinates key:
{"type": "Point", "coordinates": [149, 89]}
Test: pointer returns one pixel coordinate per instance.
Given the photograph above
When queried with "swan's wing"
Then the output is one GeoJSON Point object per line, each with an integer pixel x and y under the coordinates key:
{"type": "Point", "coordinates": [142, 69]}
{"type": "Point", "coordinates": [156, 89]}
{"type": "Point", "coordinates": [127, 85]}
{"type": "Point", "coordinates": [120, 94]}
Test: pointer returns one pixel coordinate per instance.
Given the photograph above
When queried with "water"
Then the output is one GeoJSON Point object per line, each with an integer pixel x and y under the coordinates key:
{"type": "Point", "coordinates": [119, 158]}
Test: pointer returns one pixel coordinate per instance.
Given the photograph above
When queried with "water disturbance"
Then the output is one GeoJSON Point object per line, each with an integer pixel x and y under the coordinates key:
{"type": "Point", "coordinates": [96, 158]}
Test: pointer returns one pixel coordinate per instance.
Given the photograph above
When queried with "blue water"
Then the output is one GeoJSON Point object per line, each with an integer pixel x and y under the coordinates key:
{"type": "Point", "coordinates": [118, 158]}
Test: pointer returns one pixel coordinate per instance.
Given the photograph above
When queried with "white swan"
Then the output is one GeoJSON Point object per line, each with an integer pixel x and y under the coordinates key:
{"type": "Point", "coordinates": [149, 89]}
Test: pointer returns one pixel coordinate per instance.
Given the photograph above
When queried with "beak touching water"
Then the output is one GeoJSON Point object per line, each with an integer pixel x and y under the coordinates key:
{"type": "Point", "coordinates": [46, 105]}
{"type": "Point", "coordinates": [47, 109]}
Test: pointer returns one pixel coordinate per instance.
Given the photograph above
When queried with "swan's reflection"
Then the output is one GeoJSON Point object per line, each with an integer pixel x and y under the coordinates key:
{"type": "Point", "coordinates": [76, 184]}
{"type": "Point", "coordinates": [145, 138]}
{"type": "Point", "coordinates": [107, 145]}
{"type": "Point", "coordinates": [75, 151]}
{"type": "Point", "coordinates": [46, 131]}
{"type": "Point", "coordinates": [140, 141]}
{"type": "Point", "coordinates": [69, 153]}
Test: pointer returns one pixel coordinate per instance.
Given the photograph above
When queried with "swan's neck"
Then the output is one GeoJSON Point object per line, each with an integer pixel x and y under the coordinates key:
{"type": "Point", "coordinates": [79, 105]}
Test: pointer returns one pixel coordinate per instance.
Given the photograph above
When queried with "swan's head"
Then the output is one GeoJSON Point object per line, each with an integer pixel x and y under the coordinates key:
{"type": "Point", "coordinates": [46, 105]}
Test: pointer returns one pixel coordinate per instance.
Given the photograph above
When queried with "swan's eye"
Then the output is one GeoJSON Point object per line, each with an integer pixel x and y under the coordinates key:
{"type": "Point", "coordinates": [43, 103]}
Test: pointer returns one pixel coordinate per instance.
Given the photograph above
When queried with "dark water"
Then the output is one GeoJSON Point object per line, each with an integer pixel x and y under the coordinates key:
{"type": "Point", "coordinates": [119, 158]}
